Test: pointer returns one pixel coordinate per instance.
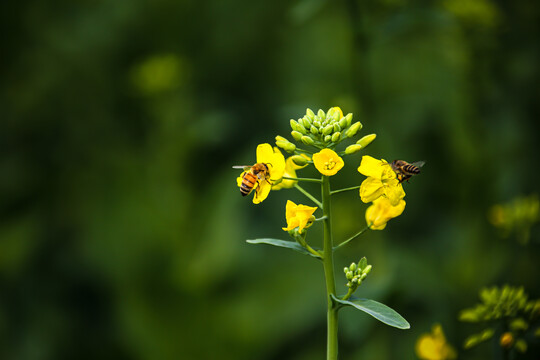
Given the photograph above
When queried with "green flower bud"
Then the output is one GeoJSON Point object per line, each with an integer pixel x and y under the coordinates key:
{"type": "Point", "coordinates": [366, 140]}
{"type": "Point", "coordinates": [296, 135]}
{"type": "Point", "coordinates": [521, 345]}
{"type": "Point", "coordinates": [328, 129]}
{"type": "Point", "coordinates": [280, 138]}
{"type": "Point", "coordinates": [335, 137]}
{"type": "Point", "coordinates": [345, 270]}
{"type": "Point", "coordinates": [310, 113]}
{"type": "Point", "coordinates": [321, 114]}
{"type": "Point", "coordinates": [348, 118]}
{"type": "Point", "coordinates": [349, 275]}
{"type": "Point", "coordinates": [299, 160]}
{"type": "Point", "coordinates": [286, 145]}
{"type": "Point", "coordinates": [294, 124]}
{"type": "Point", "coordinates": [337, 128]}
{"type": "Point", "coordinates": [349, 284]}
{"type": "Point", "coordinates": [352, 267]}
{"type": "Point", "coordinates": [354, 280]}
{"type": "Point", "coordinates": [343, 122]}
{"type": "Point", "coordinates": [327, 138]}
{"type": "Point", "coordinates": [367, 270]}
{"type": "Point", "coordinates": [314, 130]}
{"type": "Point", "coordinates": [353, 129]}
{"type": "Point", "coordinates": [307, 140]}
{"type": "Point", "coordinates": [317, 123]}
{"type": "Point", "coordinates": [301, 128]}
{"type": "Point", "coordinates": [363, 276]}
{"type": "Point", "coordinates": [351, 149]}
{"type": "Point", "coordinates": [306, 122]}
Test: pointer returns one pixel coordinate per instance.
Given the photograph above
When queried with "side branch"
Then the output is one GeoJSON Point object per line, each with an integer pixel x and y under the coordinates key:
{"type": "Point", "coordinates": [311, 197]}
{"type": "Point", "coordinates": [346, 189]}
{"type": "Point", "coordinates": [352, 237]}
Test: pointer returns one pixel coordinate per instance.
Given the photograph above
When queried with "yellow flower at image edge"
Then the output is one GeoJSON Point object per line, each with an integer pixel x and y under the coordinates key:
{"type": "Point", "coordinates": [433, 346]}
{"type": "Point", "coordinates": [381, 181]}
{"type": "Point", "coordinates": [382, 211]}
{"type": "Point", "coordinates": [275, 162]}
{"type": "Point", "coordinates": [290, 171]}
{"type": "Point", "coordinates": [327, 162]}
{"type": "Point", "coordinates": [297, 215]}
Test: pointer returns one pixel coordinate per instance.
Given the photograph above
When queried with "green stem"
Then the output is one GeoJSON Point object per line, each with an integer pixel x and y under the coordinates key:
{"type": "Point", "coordinates": [303, 242]}
{"type": "Point", "coordinates": [352, 237]}
{"type": "Point", "coordinates": [317, 202]}
{"type": "Point", "coordinates": [346, 189]}
{"type": "Point", "coordinates": [348, 295]}
{"type": "Point", "coordinates": [302, 179]}
{"type": "Point", "coordinates": [328, 263]}
{"type": "Point", "coordinates": [300, 151]}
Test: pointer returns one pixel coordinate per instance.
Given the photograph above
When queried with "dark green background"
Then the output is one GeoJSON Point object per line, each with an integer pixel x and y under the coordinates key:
{"type": "Point", "coordinates": [122, 233]}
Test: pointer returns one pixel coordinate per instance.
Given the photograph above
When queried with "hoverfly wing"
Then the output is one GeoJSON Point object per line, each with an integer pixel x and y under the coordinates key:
{"type": "Point", "coordinates": [419, 163]}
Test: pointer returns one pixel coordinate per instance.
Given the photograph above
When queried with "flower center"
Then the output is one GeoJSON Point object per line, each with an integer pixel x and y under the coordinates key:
{"type": "Point", "coordinates": [329, 165]}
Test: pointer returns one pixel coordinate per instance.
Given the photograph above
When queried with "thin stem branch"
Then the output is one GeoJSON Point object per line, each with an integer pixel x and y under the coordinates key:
{"type": "Point", "coordinates": [352, 237]}
{"type": "Point", "coordinates": [346, 189]}
{"type": "Point", "coordinates": [311, 197]}
{"type": "Point", "coordinates": [303, 150]}
{"type": "Point", "coordinates": [321, 218]}
{"type": "Point", "coordinates": [302, 179]}
{"type": "Point", "coordinates": [348, 295]}
{"type": "Point", "coordinates": [304, 244]}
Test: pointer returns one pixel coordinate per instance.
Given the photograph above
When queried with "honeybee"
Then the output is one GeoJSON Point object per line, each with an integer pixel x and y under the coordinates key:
{"type": "Point", "coordinates": [404, 170]}
{"type": "Point", "coordinates": [253, 175]}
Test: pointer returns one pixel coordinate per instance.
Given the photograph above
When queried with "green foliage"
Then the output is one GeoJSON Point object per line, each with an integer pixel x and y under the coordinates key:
{"type": "Point", "coordinates": [379, 311]}
{"type": "Point", "coordinates": [283, 243]}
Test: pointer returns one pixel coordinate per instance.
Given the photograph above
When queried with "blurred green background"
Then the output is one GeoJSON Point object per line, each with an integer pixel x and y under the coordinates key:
{"type": "Point", "coordinates": [123, 233]}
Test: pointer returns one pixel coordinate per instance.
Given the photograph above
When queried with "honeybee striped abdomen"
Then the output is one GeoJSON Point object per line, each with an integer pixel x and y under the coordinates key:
{"type": "Point", "coordinates": [404, 170]}
{"type": "Point", "coordinates": [411, 169]}
{"type": "Point", "coordinates": [248, 182]}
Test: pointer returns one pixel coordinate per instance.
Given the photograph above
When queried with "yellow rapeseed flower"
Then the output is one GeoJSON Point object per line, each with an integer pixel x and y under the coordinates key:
{"type": "Point", "coordinates": [275, 162]}
{"type": "Point", "coordinates": [297, 215]}
{"type": "Point", "coordinates": [290, 171]}
{"type": "Point", "coordinates": [327, 162]}
{"type": "Point", "coordinates": [381, 181]}
{"type": "Point", "coordinates": [433, 346]}
{"type": "Point", "coordinates": [378, 214]}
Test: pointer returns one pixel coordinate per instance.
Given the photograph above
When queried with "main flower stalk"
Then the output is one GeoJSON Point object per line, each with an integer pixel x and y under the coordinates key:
{"type": "Point", "coordinates": [328, 263]}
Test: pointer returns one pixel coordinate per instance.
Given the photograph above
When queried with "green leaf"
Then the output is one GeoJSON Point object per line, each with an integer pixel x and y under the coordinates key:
{"type": "Point", "coordinates": [283, 243]}
{"type": "Point", "coordinates": [379, 311]}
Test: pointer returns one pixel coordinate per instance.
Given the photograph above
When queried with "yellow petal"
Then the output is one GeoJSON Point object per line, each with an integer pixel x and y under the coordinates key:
{"type": "Point", "coordinates": [262, 191]}
{"type": "Point", "coordinates": [370, 166]}
{"type": "Point", "coordinates": [265, 153]}
{"type": "Point", "coordinates": [277, 167]}
{"type": "Point", "coordinates": [371, 189]}
{"type": "Point", "coordinates": [394, 192]}
{"type": "Point", "coordinates": [378, 214]}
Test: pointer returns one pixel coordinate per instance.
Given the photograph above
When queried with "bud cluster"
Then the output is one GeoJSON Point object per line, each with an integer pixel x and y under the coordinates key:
{"type": "Point", "coordinates": [509, 305]}
{"type": "Point", "coordinates": [356, 273]}
{"type": "Point", "coordinates": [324, 130]}
{"type": "Point", "coordinates": [497, 303]}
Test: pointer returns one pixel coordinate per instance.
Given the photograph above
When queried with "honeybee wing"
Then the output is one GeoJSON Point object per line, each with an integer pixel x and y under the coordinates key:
{"type": "Point", "coordinates": [243, 167]}
{"type": "Point", "coordinates": [418, 163]}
